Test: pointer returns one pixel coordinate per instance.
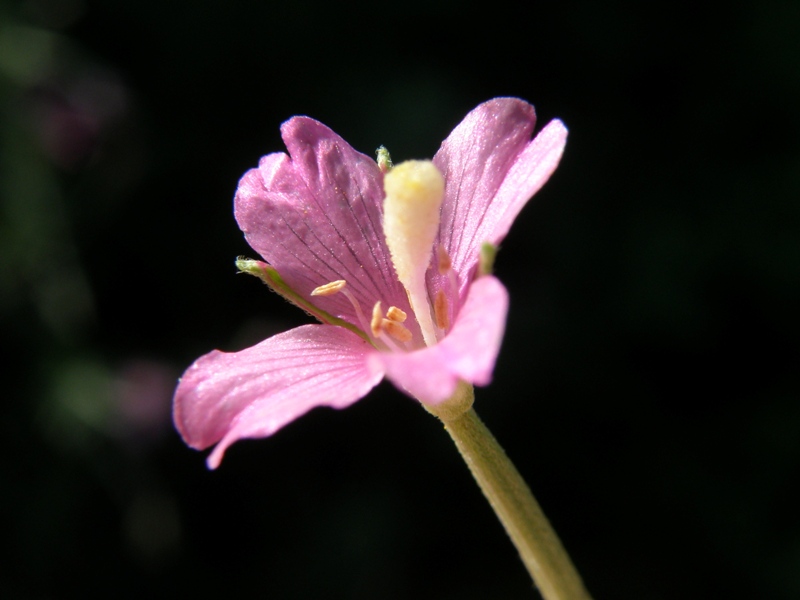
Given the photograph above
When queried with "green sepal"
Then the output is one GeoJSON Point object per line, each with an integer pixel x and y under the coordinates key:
{"type": "Point", "coordinates": [270, 276]}
{"type": "Point", "coordinates": [486, 259]}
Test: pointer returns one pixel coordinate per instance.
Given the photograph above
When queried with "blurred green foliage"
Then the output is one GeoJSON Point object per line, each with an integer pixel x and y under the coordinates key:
{"type": "Point", "coordinates": [648, 385]}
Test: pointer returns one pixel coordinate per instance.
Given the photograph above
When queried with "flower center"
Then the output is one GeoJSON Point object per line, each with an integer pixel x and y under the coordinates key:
{"type": "Point", "coordinates": [414, 193]}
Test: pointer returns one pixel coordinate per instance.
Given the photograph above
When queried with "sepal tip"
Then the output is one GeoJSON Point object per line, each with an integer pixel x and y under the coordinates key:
{"type": "Point", "coordinates": [486, 259]}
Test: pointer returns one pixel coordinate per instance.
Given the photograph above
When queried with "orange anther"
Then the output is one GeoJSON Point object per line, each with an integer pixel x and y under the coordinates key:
{"type": "Point", "coordinates": [440, 310]}
{"type": "Point", "coordinates": [395, 314]}
{"type": "Point", "coordinates": [329, 289]}
{"type": "Point", "coordinates": [443, 260]}
{"type": "Point", "coordinates": [396, 330]}
{"type": "Point", "coordinates": [377, 317]}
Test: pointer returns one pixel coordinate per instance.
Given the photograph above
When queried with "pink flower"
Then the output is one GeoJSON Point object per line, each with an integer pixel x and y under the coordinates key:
{"type": "Point", "coordinates": [337, 245]}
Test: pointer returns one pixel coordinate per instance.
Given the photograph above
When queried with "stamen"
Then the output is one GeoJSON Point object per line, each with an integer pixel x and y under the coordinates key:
{"type": "Point", "coordinates": [379, 331]}
{"type": "Point", "coordinates": [440, 310]}
{"type": "Point", "coordinates": [443, 259]}
{"type": "Point", "coordinates": [377, 317]}
{"type": "Point", "coordinates": [378, 325]}
{"type": "Point", "coordinates": [334, 287]}
{"type": "Point", "coordinates": [396, 315]}
{"type": "Point", "coordinates": [329, 289]}
{"type": "Point", "coordinates": [445, 265]}
{"type": "Point", "coordinates": [396, 330]}
{"type": "Point", "coordinates": [440, 305]}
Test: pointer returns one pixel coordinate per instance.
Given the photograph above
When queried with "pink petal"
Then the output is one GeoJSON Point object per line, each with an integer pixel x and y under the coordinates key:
{"type": "Point", "coordinates": [529, 172]}
{"type": "Point", "coordinates": [315, 216]}
{"type": "Point", "coordinates": [224, 397]}
{"type": "Point", "coordinates": [468, 353]}
{"type": "Point", "coordinates": [491, 169]}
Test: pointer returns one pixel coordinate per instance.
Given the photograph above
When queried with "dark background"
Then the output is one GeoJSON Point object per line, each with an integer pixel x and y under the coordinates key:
{"type": "Point", "coordinates": [647, 386]}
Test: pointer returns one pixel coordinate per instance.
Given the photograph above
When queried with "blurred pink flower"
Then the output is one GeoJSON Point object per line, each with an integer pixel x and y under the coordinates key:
{"type": "Point", "coordinates": [141, 395]}
{"type": "Point", "coordinates": [316, 216]}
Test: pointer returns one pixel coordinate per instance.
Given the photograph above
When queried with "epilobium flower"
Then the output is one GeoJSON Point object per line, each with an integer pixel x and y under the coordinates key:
{"type": "Point", "coordinates": [388, 259]}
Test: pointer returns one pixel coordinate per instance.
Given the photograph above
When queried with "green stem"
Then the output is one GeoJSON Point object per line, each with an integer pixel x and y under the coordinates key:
{"type": "Point", "coordinates": [522, 517]}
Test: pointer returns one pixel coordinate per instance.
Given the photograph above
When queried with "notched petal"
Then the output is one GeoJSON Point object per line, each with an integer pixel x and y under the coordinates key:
{"type": "Point", "coordinates": [316, 216]}
{"type": "Point", "coordinates": [492, 168]}
{"type": "Point", "coordinates": [224, 397]}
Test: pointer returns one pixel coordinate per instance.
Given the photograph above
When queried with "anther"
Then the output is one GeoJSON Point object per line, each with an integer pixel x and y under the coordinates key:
{"type": "Point", "coordinates": [383, 328]}
{"type": "Point", "coordinates": [443, 260]}
{"type": "Point", "coordinates": [329, 289]}
{"type": "Point", "coordinates": [440, 310]}
{"type": "Point", "coordinates": [445, 266]}
{"type": "Point", "coordinates": [396, 330]}
{"type": "Point", "coordinates": [396, 315]}
{"type": "Point", "coordinates": [377, 318]}
{"type": "Point", "coordinates": [334, 287]}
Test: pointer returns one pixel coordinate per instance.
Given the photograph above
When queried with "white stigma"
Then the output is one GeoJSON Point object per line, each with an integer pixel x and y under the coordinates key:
{"type": "Point", "coordinates": [414, 193]}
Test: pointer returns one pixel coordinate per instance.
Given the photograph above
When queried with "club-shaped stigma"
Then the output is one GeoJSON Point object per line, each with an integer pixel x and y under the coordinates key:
{"type": "Point", "coordinates": [414, 193]}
